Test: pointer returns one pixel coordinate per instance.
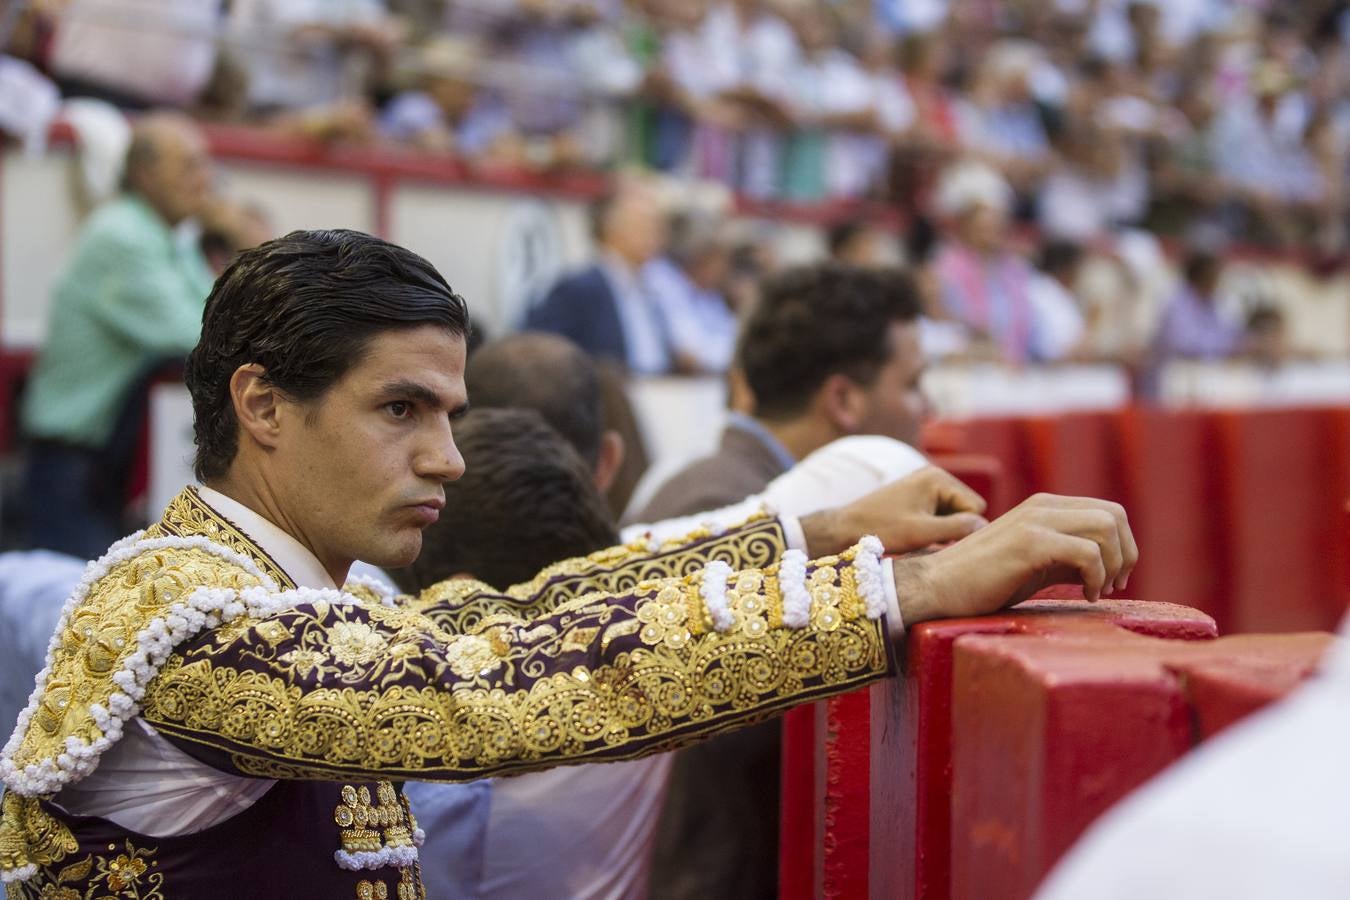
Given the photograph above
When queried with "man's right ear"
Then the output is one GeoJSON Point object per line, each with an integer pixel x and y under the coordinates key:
{"type": "Point", "coordinates": [257, 405]}
{"type": "Point", "coordinates": [609, 461]}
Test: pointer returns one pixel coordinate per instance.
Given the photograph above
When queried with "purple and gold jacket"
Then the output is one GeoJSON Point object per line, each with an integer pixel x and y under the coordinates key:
{"type": "Point", "coordinates": [337, 695]}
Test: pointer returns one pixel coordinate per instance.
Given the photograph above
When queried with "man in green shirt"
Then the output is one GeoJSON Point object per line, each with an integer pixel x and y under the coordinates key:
{"type": "Point", "coordinates": [129, 298]}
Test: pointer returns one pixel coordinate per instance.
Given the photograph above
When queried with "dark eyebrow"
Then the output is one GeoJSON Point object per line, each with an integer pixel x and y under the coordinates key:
{"type": "Point", "coordinates": [411, 390]}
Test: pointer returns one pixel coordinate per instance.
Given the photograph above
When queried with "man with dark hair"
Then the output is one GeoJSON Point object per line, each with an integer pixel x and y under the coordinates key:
{"type": "Point", "coordinates": [218, 719]}
{"type": "Point", "coordinates": [604, 308]}
{"type": "Point", "coordinates": [858, 242]}
{"type": "Point", "coordinates": [129, 299]}
{"type": "Point", "coordinates": [831, 351]}
{"type": "Point", "coordinates": [554, 377]}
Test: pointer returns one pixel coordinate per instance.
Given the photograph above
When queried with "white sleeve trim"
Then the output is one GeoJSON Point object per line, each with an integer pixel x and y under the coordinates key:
{"type": "Point", "coordinates": [895, 623]}
{"type": "Point", "coordinates": [792, 532]}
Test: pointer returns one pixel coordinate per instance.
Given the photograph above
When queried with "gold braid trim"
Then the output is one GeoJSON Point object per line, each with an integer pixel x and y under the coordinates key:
{"type": "Point", "coordinates": [461, 606]}
{"type": "Point", "coordinates": [188, 515]}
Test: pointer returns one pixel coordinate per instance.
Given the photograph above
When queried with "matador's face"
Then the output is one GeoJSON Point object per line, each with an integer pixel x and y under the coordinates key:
{"type": "Point", "coordinates": [362, 470]}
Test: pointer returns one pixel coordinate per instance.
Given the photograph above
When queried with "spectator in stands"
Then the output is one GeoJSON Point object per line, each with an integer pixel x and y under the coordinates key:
{"type": "Point", "coordinates": [129, 298]}
{"type": "Point", "coordinates": [448, 112]}
{"type": "Point", "coordinates": [561, 66]}
{"type": "Point", "coordinates": [1259, 148]}
{"type": "Point", "coordinates": [302, 54]}
{"type": "Point", "coordinates": [834, 106]}
{"type": "Point", "coordinates": [136, 54]}
{"type": "Point", "coordinates": [934, 136]}
{"type": "Point", "coordinates": [1062, 329]}
{"type": "Point", "coordinates": [605, 308]}
{"type": "Point", "coordinates": [1192, 327]}
{"type": "Point", "coordinates": [999, 122]}
{"type": "Point", "coordinates": [1268, 336]}
{"type": "Point", "coordinates": [758, 52]}
{"type": "Point", "coordinates": [859, 242]}
{"type": "Point", "coordinates": [981, 282]}
{"type": "Point", "coordinates": [686, 283]}
{"type": "Point", "coordinates": [830, 351]}
{"type": "Point", "coordinates": [1100, 186]}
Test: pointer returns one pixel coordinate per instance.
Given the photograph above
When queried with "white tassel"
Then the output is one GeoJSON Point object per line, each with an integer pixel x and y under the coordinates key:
{"type": "Point", "coordinates": [714, 593]}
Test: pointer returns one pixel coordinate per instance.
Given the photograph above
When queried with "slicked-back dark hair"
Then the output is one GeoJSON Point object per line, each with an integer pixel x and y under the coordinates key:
{"type": "Point", "coordinates": [815, 321]}
{"type": "Point", "coordinates": [304, 307]}
{"type": "Point", "coordinates": [532, 500]}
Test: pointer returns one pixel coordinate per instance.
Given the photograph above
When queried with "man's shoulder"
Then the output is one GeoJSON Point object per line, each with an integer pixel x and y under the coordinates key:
{"type": "Point", "coordinates": [123, 225]}
{"type": "Point", "coordinates": [588, 280]}
{"type": "Point", "coordinates": [146, 595]}
{"type": "Point", "coordinates": [719, 479]}
{"type": "Point", "coordinates": [575, 296]}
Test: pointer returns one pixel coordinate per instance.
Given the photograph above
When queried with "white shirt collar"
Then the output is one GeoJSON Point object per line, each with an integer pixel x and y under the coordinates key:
{"type": "Point", "coordinates": [288, 553]}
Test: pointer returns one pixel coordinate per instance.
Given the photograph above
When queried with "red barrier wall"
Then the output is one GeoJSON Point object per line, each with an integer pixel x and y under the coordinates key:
{"type": "Point", "coordinates": [968, 776]}
{"type": "Point", "coordinates": [1049, 733]}
{"type": "Point", "coordinates": [1238, 513]}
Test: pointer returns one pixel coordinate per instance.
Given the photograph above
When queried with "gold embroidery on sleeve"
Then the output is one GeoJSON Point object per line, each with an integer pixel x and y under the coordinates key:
{"type": "Point", "coordinates": [519, 696]}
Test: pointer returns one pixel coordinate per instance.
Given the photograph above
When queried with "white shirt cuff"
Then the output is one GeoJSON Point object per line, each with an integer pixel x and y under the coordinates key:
{"type": "Point", "coordinates": [793, 534]}
{"type": "Point", "coordinates": [895, 625]}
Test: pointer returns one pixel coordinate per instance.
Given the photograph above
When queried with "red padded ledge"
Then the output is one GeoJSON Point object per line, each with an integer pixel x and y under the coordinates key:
{"type": "Point", "coordinates": [1047, 732]}
{"type": "Point", "coordinates": [890, 747]}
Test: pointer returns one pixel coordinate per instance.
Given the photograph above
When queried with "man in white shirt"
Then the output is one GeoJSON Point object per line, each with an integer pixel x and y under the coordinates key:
{"type": "Point", "coordinates": [686, 285]}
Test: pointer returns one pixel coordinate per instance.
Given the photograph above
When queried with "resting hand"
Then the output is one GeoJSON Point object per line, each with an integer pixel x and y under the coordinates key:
{"type": "Point", "coordinates": [925, 508]}
{"type": "Point", "coordinates": [1044, 541]}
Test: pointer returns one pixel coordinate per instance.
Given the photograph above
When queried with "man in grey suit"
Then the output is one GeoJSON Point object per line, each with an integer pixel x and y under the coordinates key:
{"type": "Point", "coordinates": [831, 351]}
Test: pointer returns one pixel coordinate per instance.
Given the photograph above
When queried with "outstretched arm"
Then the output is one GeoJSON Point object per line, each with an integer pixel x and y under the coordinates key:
{"type": "Point", "coordinates": [329, 689]}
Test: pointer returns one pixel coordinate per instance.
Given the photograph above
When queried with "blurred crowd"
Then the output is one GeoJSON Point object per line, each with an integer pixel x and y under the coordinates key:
{"type": "Point", "coordinates": [1030, 163]}
{"type": "Point", "coordinates": [1226, 116]}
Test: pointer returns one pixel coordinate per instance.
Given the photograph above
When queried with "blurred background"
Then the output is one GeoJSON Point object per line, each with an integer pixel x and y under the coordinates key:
{"type": "Point", "coordinates": [1127, 219]}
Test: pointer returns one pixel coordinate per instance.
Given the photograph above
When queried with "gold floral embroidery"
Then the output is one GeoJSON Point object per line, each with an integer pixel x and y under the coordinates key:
{"type": "Point", "coordinates": [664, 617]}
{"type": "Point", "coordinates": [355, 643]}
{"type": "Point", "coordinates": [128, 872]}
{"type": "Point", "coordinates": [410, 884]}
{"type": "Point", "coordinates": [29, 835]}
{"type": "Point", "coordinates": [508, 699]}
{"type": "Point", "coordinates": [825, 598]}
{"type": "Point", "coordinates": [470, 656]}
{"type": "Point", "coordinates": [272, 632]}
{"type": "Point", "coordinates": [124, 871]}
{"type": "Point", "coordinates": [462, 606]}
